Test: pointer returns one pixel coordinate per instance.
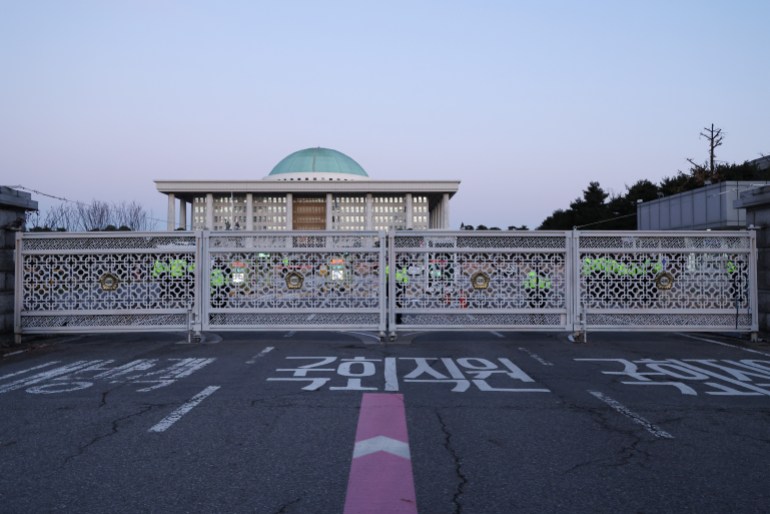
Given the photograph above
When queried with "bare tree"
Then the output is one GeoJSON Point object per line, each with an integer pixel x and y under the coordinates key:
{"type": "Point", "coordinates": [61, 217]}
{"type": "Point", "coordinates": [131, 215]}
{"type": "Point", "coordinates": [94, 216]}
{"type": "Point", "coordinates": [714, 137]}
{"type": "Point", "coordinates": [98, 215]}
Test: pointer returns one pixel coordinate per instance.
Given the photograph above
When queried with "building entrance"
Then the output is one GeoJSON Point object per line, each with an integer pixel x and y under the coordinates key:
{"type": "Point", "coordinates": [309, 213]}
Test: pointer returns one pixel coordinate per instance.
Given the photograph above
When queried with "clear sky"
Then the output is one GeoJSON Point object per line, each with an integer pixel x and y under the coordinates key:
{"type": "Point", "coordinates": [525, 102]}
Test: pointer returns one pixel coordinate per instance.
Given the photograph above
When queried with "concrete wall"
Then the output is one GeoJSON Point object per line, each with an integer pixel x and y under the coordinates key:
{"type": "Point", "coordinates": [706, 207]}
{"type": "Point", "coordinates": [757, 205]}
{"type": "Point", "coordinates": [13, 207]}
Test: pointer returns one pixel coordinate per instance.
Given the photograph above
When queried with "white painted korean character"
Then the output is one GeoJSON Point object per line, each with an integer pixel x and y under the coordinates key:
{"type": "Point", "coordinates": [423, 368]}
{"type": "Point", "coordinates": [166, 376]}
{"type": "Point", "coordinates": [300, 374]}
{"type": "Point", "coordinates": [354, 370]}
{"type": "Point", "coordinates": [482, 369]}
{"type": "Point", "coordinates": [660, 369]}
{"type": "Point", "coordinates": [80, 377]}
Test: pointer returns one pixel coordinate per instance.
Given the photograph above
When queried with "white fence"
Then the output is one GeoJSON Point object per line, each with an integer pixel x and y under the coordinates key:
{"type": "Point", "coordinates": [404, 281]}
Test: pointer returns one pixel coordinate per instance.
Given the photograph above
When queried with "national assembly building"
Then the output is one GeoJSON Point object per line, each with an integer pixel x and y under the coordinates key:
{"type": "Point", "coordinates": [311, 189]}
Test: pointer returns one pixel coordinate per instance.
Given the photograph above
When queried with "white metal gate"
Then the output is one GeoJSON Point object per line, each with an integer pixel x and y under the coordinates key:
{"type": "Point", "coordinates": [491, 280]}
{"type": "Point", "coordinates": [698, 281]}
{"type": "Point", "coordinates": [294, 281]}
{"type": "Point", "coordinates": [405, 281]}
{"type": "Point", "coordinates": [104, 282]}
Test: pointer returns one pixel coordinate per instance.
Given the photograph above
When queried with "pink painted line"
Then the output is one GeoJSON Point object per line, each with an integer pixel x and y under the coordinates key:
{"type": "Point", "coordinates": [381, 479]}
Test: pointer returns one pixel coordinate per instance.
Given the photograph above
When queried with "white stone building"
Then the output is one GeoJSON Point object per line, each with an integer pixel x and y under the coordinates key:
{"type": "Point", "coordinates": [312, 189]}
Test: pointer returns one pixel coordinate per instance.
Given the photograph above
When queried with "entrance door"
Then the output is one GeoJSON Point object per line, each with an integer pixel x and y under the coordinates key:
{"type": "Point", "coordinates": [309, 213]}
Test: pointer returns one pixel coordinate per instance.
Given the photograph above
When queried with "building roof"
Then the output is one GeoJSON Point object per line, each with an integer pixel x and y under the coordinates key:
{"type": "Point", "coordinates": [324, 161]}
{"type": "Point", "coordinates": [189, 189]}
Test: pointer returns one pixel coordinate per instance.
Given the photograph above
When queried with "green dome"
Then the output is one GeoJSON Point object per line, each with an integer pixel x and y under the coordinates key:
{"type": "Point", "coordinates": [318, 160]}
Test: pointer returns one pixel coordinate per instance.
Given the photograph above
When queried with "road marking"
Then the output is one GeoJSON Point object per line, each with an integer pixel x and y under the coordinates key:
{"type": "Point", "coordinates": [381, 480]}
{"type": "Point", "coordinates": [290, 334]}
{"type": "Point", "coordinates": [498, 334]}
{"type": "Point", "coordinates": [381, 443]}
{"type": "Point", "coordinates": [28, 370]}
{"type": "Point", "coordinates": [175, 416]}
{"type": "Point", "coordinates": [654, 430]}
{"type": "Point", "coordinates": [47, 375]}
{"type": "Point", "coordinates": [536, 357]}
{"type": "Point", "coordinates": [260, 354]}
{"type": "Point", "coordinates": [720, 343]}
{"type": "Point", "coordinates": [391, 375]}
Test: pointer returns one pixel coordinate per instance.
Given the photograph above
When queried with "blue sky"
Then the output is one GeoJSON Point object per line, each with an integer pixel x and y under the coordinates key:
{"type": "Point", "coordinates": [524, 102]}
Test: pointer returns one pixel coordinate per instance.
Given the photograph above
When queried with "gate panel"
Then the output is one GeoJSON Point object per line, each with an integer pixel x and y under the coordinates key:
{"type": "Point", "coordinates": [494, 280]}
{"type": "Point", "coordinates": [667, 281]}
{"type": "Point", "coordinates": [294, 281]}
{"type": "Point", "coordinates": [104, 282]}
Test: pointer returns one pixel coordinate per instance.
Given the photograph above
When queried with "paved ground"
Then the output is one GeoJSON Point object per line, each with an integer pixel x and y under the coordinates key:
{"type": "Point", "coordinates": [496, 423]}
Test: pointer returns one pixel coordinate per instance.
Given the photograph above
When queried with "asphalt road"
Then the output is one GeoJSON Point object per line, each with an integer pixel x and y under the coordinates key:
{"type": "Point", "coordinates": [497, 423]}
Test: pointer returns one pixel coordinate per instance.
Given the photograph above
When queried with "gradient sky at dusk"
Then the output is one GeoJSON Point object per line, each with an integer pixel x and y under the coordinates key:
{"type": "Point", "coordinates": [524, 102]}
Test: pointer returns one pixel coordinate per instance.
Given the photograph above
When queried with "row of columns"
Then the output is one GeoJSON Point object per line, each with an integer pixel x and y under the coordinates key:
{"type": "Point", "coordinates": [438, 216]}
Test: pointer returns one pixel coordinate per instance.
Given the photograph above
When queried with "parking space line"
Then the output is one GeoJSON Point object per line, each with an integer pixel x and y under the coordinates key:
{"type": "Point", "coordinates": [175, 416]}
{"type": "Point", "coordinates": [260, 354]}
{"type": "Point", "coordinates": [720, 343]}
{"type": "Point", "coordinates": [617, 406]}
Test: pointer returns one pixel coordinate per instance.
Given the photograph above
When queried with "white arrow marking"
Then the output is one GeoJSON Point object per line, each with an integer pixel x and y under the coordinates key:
{"type": "Point", "coordinates": [381, 443]}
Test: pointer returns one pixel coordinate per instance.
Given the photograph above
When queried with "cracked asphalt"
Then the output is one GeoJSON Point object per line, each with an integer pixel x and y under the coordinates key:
{"type": "Point", "coordinates": [498, 423]}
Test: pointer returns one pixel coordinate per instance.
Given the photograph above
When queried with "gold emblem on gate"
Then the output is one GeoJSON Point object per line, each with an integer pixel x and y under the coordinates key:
{"type": "Point", "coordinates": [109, 282]}
{"type": "Point", "coordinates": [664, 280]}
{"type": "Point", "coordinates": [294, 280]}
{"type": "Point", "coordinates": [480, 280]}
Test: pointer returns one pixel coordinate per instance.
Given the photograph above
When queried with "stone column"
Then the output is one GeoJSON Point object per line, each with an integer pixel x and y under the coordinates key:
{"type": "Point", "coordinates": [329, 221]}
{"type": "Point", "coordinates": [289, 211]}
{"type": "Point", "coordinates": [445, 211]}
{"type": "Point", "coordinates": [369, 224]}
{"type": "Point", "coordinates": [182, 214]}
{"type": "Point", "coordinates": [171, 214]}
{"type": "Point", "coordinates": [209, 211]}
{"type": "Point", "coordinates": [249, 211]}
{"type": "Point", "coordinates": [409, 211]}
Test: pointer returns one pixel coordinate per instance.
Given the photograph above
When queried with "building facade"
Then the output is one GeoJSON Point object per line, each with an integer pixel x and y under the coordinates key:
{"type": "Point", "coordinates": [312, 189]}
{"type": "Point", "coordinates": [708, 207]}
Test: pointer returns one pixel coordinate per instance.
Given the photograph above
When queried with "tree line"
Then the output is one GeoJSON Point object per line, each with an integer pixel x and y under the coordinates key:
{"type": "Point", "coordinates": [89, 217]}
{"type": "Point", "coordinates": [596, 209]}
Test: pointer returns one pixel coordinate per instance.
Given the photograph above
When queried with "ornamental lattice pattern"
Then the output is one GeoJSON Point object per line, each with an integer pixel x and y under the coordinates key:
{"type": "Point", "coordinates": [663, 281]}
{"type": "Point", "coordinates": [480, 280]}
{"type": "Point", "coordinates": [108, 281]}
{"type": "Point", "coordinates": [294, 280]}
